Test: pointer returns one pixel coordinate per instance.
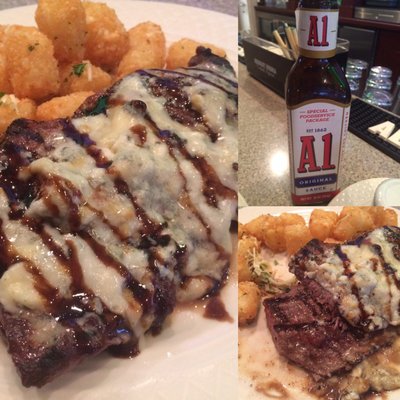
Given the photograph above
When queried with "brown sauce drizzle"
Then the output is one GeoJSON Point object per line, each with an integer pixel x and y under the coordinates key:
{"type": "Point", "coordinates": [7, 255]}
{"type": "Point", "coordinates": [140, 131]}
{"type": "Point", "coordinates": [212, 186]}
{"type": "Point", "coordinates": [149, 227]}
{"type": "Point", "coordinates": [106, 222]}
{"type": "Point", "coordinates": [69, 193]}
{"type": "Point", "coordinates": [173, 142]}
{"type": "Point", "coordinates": [354, 289]}
{"type": "Point", "coordinates": [84, 140]}
{"type": "Point", "coordinates": [215, 309]}
{"type": "Point", "coordinates": [178, 104]}
{"type": "Point", "coordinates": [140, 293]}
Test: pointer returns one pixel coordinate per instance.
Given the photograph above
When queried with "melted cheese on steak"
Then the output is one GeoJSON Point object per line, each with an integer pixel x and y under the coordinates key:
{"type": "Point", "coordinates": [364, 277]}
{"type": "Point", "coordinates": [140, 193]}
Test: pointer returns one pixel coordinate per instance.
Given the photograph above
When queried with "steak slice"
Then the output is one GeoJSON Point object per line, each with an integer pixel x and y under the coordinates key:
{"type": "Point", "coordinates": [109, 218]}
{"type": "Point", "coordinates": [307, 328]}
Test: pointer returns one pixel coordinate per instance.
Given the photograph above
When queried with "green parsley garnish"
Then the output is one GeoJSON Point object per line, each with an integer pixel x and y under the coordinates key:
{"type": "Point", "coordinates": [79, 68]}
{"type": "Point", "coordinates": [2, 94]}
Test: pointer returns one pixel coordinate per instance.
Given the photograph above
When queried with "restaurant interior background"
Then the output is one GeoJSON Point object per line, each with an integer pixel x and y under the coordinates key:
{"type": "Point", "coordinates": [368, 36]}
{"type": "Point", "coordinates": [372, 28]}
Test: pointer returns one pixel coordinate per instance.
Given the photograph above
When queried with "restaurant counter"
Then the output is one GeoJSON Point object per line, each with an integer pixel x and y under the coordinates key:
{"type": "Point", "coordinates": [264, 177]}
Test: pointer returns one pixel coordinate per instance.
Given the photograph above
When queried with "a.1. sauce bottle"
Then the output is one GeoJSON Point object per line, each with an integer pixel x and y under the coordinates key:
{"type": "Point", "coordinates": [318, 100]}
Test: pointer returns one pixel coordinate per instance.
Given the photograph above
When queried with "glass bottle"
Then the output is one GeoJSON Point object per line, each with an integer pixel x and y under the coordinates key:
{"type": "Point", "coordinates": [318, 100]}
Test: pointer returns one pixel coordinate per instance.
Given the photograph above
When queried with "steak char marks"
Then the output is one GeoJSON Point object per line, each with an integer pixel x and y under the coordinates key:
{"type": "Point", "coordinates": [307, 324]}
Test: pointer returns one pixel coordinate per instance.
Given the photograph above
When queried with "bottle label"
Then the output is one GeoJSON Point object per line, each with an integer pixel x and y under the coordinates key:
{"type": "Point", "coordinates": [317, 131]}
{"type": "Point", "coordinates": [317, 32]}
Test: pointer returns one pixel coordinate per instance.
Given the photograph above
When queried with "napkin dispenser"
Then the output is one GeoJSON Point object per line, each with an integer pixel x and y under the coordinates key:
{"type": "Point", "coordinates": [266, 63]}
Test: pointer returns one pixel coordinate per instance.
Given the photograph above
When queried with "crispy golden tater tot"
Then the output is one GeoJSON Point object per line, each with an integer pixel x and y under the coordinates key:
{"type": "Point", "coordinates": [12, 108]}
{"type": "Point", "coordinates": [246, 246]}
{"type": "Point", "coordinates": [249, 302]}
{"type": "Point", "coordinates": [31, 65]}
{"type": "Point", "coordinates": [107, 40]}
{"type": "Point", "coordinates": [377, 213]}
{"type": "Point", "coordinates": [180, 52]}
{"type": "Point", "coordinates": [274, 236]}
{"type": "Point", "coordinates": [322, 223]}
{"type": "Point", "coordinates": [83, 77]}
{"type": "Point", "coordinates": [61, 107]}
{"type": "Point", "coordinates": [287, 219]}
{"type": "Point", "coordinates": [147, 49]}
{"type": "Point", "coordinates": [258, 226]}
{"type": "Point", "coordinates": [296, 236]}
{"type": "Point", "coordinates": [352, 220]}
{"type": "Point", "coordinates": [64, 23]}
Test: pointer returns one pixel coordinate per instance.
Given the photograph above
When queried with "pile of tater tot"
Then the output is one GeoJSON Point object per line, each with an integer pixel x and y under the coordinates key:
{"type": "Point", "coordinates": [78, 48]}
{"type": "Point", "coordinates": [288, 233]}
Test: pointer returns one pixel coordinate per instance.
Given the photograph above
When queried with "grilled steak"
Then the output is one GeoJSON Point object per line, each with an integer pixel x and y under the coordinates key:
{"type": "Point", "coordinates": [111, 217]}
{"type": "Point", "coordinates": [363, 275]}
{"type": "Point", "coordinates": [306, 328]}
{"type": "Point", "coordinates": [346, 294]}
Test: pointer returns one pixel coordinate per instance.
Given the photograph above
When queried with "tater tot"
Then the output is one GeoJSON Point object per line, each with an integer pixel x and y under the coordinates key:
{"type": "Point", "coordinates": [12, 108]}
{"type": "Point", "coordinates": [246, 246]}
{"type": "Point", "coordinates": [107, 40]}
{"type": "Point", "coordinates": [83, 77]}
{"type": "Point", "coordinates": [64, 23]}
{"type": "Point", "coordinates": [249, 302]}
{"type": "Point", "coordinates": [258, 226]}
{"type": "Point", "coordinates": [146, 49]}
{"type": "Point", "coordinates": [180, 52]}
{"type": "Point", "coordinates": [32, 68]}
{"type": "Point", "coordinates": [352, 221]}
{"type": "Point", "coordinates": [296, 236]}
{"type": "Point", "coordinates": [61, 107]}
{"type": "Point", "coordinates": [322, 223]}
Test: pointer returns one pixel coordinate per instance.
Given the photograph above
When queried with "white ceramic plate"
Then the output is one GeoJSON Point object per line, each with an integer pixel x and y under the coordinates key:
{"type": "Point", "coordinates": [259, 362]}
{"type": "Point", "coordinates": [193, 358]}
{"type": "Point", "coordinates": [388, 193]}
{"type": "Point", "coordinates": [358, 194]}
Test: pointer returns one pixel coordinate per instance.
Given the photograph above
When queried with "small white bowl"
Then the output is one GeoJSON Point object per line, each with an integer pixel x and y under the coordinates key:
{"type": "Point", "coordinates": [388, 193]}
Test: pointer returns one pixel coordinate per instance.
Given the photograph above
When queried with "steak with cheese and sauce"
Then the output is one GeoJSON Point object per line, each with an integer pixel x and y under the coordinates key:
{"type": "Point", "coordinates": [345, 306]}
{"type": "Point", "coordinates": [110, 218]}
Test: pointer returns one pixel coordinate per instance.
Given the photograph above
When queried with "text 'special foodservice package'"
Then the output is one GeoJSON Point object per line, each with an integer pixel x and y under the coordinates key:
{"type": "Point", "coordinates": [317, 135]}
{"type": "Point", "coordinates": [318, 102]}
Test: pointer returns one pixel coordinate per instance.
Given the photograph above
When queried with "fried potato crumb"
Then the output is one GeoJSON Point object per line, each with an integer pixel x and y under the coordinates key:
{"type": "Point", "coordinates": [61, 107]}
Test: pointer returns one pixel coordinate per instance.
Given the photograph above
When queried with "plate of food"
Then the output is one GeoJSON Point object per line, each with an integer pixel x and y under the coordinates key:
{"type": "Point", "coordinates": [117, 197]}
{"type": "Point", "coordinates": [318, 302]}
